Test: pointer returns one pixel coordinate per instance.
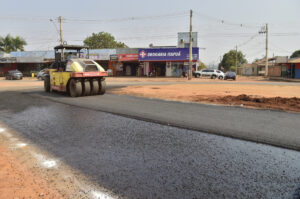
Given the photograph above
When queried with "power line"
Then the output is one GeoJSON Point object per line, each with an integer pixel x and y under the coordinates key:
{"type": "Point", "coordinates": [155, 17]}
{"type": "Point", "coordinates": [133, 18]}
{"type": "Point", "coordinates": [279, 48]}
{"type": "Point", "coordinates": [249, 40]}
{"type": "Point", "coordinates": [51, 20]}
{"type": "Point", "coordinates": [124, 19]}
{"type": "Point", "coordinates": [285, 34]}
{"type": "Point", "coordinates": [226, 22]}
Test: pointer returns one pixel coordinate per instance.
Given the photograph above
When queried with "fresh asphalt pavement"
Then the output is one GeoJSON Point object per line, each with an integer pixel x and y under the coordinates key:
{"type": "Point", "coordinates": [277, 128]}
{"type": "Point", "coordinates": [139, 159]}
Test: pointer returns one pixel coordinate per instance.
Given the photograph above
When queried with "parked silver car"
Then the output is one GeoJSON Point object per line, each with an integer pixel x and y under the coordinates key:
{"type": "Point", "coordinates": [212, 73]}
{"type": "Point", "coordinates": [41, 74]}
{"type": "Point", "coordinates": [13, 74]}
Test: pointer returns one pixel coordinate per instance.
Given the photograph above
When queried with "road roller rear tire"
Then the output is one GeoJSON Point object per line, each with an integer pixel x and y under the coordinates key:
{"type": "Point", "coordinates": [47, 84]}
{"type": "Point", "coordinates": [86, 89]}
{"type": "Point", "coordinates": [102, 85]}
{"type": "Point", "coordinates": [95, 87]}
{"type": "Point", "coordinates": [75, 88]}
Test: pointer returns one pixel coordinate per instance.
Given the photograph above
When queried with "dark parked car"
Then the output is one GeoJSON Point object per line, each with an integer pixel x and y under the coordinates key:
{"type": "Point", "coordinates": [41, 74]}
{"type": "Point", "coordinates": [230, 75]}
{"type": "Point", "coordinates": [13, 74]}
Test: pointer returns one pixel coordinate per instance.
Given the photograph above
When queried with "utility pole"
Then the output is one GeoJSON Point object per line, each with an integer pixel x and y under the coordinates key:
{"type": "Point", "coordinates": [236, 56]}
{"type": "Point", "coordinates": [267, 61]}
{"type": "Point", "coordinates": [191, 48]}
{"type": "Point", "coordinates": [265, 30]}
{"type": "Point", "coordinates": [60, 30]}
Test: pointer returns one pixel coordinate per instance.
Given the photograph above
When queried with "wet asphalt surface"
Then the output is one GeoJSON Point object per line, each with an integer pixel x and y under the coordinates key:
{"type": "Point", "coordinates": [138, 159]}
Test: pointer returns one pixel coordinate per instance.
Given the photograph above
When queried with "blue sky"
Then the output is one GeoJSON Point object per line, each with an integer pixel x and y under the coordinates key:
{"type": "Point", "coordinates": [139, 23]}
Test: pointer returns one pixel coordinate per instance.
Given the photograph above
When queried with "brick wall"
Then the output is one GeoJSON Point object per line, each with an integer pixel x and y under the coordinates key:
{"type": "Point", "coordinates": [275, 71]}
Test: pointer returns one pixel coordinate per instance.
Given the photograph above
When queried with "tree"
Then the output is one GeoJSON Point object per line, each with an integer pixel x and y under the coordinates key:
{"type": "Point", "coordinates": [295, 54]}
{"type": "Point", "coordinates": [228, 60]}
{"type": "Point", "coordinates": [9, 43]}
{"type": "Point", "coordinates": [232, 68]}
{"type": "Point", "coordinates": [201, 66]}
{"type": "Point", "coordinates": [103, 40]}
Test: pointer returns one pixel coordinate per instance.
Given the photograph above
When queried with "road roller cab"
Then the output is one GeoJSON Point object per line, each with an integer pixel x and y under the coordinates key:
{"type": "Point", "coordinates": [74, 73]}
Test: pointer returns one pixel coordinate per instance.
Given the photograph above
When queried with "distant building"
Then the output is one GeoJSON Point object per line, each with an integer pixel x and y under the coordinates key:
{"type": "Point", "coordinates": [183, 39]}
{"type": "Point", "coordinates": [279, 66]}
{"type": "Point", "coordinates": [248, 69]}
{"type": "Point", "coordinates": [4, 55]}
{"type": "Point", "coordinates": [293, 67]}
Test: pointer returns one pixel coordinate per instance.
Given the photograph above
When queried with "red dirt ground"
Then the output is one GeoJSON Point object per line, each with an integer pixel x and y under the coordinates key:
{"type": "Point", "coordinates": [280, 97]}
{"type": "Point", "coordinates": [279, 103]}
{"type": "Point", "coordinates": [18, 182]}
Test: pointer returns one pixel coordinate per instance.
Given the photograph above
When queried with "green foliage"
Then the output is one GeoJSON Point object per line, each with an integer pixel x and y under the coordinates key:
{"type": "Point", "coordinates": [103, 40]}
{"type": "Point", "coordinates": [229, 60]}
{"type": "Point", "coordinates": [201, 66]}
{"type": "Point", "coordinates": [232, 68]}
{"type": "Point", "coordinates": [9, 43]}
{"type": "Point", "coordinates": [295, 54]}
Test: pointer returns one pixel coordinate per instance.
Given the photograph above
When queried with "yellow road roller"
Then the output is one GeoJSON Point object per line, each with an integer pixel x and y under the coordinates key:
{"type": "Point", "coordinates": [73, 72]}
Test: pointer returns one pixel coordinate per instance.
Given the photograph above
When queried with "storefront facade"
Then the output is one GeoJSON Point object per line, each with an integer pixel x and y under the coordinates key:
{"type": "Point", "coordinates": [169, 62]}
{"type": "Point", "coordinates": [102, 56]}
{"type": "Point", "coordinates": [130, 64]}
{"type": "Point", "coordinates": [7, 64]}
{"type": "Point", "coordinates": [159, 62]}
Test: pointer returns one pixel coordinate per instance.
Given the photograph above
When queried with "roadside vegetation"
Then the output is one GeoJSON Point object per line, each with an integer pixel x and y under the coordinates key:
{"type": "Point", "coordinates": [229, 59]}
{"type": "Point", "coordinates": [10, 43]}
{"type": "Point", "coordinates": [295, 54]}
{"type": "Point", "coordinates": [103, 40]}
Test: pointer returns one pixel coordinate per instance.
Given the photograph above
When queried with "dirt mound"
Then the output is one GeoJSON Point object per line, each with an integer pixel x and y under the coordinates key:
{"type": "Point", "coordinates": [281, 103]}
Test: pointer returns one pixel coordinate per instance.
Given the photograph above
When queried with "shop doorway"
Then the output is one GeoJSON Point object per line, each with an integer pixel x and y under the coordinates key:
{"type": "Point", "coordinates": [130, 68]}
{"type": "Point", "coordinates": [158, 69]}
{"type": "Point", "coordinates": [292, 70]}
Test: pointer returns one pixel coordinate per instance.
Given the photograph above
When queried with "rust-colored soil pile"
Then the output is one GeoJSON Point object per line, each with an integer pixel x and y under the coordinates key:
{"type": "Point", "coordinates": [280, 103]}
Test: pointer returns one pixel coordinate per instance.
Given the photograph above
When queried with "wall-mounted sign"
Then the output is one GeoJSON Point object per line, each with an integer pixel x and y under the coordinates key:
{"type": "Point", "coordinates": [128, 57]}
{"type": "Point", "coordinates": [101, 54]}
{"type": "Point", "coordinates": [167, 54]}
{"type": "Point", "coordinates": [114, 57]}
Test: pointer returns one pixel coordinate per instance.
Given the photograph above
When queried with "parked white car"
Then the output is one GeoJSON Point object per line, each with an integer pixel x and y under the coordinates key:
{"type": "Point", "coordinates": [212, 73]}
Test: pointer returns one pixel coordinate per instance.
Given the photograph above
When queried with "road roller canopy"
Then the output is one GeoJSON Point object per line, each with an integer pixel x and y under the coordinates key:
{"type": "Point", "coordinates": [63, 52]}
{"type": "Point", "coordinates": [83, 65]}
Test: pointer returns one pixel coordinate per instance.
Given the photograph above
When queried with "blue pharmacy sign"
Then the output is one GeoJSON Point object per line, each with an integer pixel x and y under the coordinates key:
{"type": "Point", "coordinates": [167, 54]}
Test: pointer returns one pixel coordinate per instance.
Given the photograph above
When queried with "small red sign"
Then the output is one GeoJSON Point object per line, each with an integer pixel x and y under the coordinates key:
{"type": "Point", "coordinates": [128, 57]}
